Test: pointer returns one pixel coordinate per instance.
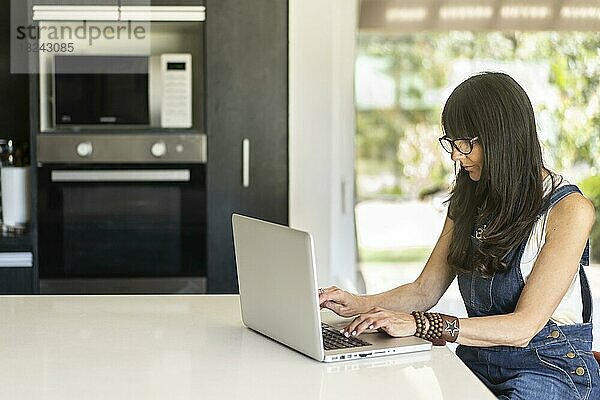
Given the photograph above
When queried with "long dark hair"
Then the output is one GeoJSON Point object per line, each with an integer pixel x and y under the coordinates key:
{"type": "Point", "coordinates": [509, 194]}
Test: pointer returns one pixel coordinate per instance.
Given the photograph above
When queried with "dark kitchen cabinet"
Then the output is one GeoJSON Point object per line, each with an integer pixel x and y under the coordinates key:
{"type": "Point", "coordinates": [14, 99]}
{"type": "Point", "coordinates": [14, 114]}
{"type": "Point", "coordinates": [17, 278]}
{"type": "Point", "coordinates": [247, 98]}
{"type": "Point", "coordinates": [16, 281]}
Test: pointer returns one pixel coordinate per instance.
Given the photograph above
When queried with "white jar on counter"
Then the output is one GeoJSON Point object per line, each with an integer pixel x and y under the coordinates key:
{"type": "Point", "coordinates": [16, 195]}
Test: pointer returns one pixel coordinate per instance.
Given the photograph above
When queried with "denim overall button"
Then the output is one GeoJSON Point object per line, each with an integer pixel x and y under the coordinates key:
{"type": "Point", "coordinates": [554, 334]}
{"type": "Point", "coordinates": [570, 354]}
{"type": "Point", "coordinates": [580, 371]}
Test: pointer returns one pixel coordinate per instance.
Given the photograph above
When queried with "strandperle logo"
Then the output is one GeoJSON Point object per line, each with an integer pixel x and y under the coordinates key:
{"type": "Point", "coordinates": [85, 31]}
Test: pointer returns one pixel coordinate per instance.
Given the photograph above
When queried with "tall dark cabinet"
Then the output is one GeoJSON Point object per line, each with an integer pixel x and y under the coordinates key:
{"type": "Point", "coordinates": [247, 98]}
{"type": "Point", "coordinates": [14, 117]}
{"type": "Point", "coordinates": [14, 104]}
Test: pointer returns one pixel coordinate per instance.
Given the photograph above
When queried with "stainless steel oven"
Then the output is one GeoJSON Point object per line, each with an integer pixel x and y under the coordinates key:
{"type": "Point", "coordinates": [122, 213]}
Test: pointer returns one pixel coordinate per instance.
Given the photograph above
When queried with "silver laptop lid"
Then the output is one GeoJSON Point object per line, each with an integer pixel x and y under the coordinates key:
{"type": "Point", "coordinates": [278, 293]}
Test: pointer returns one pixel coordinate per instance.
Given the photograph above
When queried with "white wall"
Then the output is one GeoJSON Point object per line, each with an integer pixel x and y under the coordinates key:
{"type": "Point", "coordinates": [322, 35]}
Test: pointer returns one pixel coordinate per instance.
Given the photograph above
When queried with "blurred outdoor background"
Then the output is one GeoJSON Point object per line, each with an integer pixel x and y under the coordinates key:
{"type": "Point", "coordinates": [403, 175]}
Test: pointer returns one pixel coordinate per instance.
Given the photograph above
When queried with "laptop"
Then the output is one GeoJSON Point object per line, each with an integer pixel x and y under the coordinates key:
{"type": "Point", "coordinates": [279, 296]}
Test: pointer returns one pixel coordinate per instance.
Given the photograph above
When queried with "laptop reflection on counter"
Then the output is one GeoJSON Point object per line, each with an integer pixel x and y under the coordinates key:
{"type": "Point", "coordinates": [279, 296]}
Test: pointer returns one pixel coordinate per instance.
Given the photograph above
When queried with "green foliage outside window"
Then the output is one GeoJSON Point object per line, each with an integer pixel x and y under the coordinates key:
{"type": "Point", "coordinates": [401, 140]}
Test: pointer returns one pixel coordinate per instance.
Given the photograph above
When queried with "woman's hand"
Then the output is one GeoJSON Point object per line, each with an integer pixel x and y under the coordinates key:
{"type": "Point", "coordinates": [393, 323]}
{"type": "Point", "coordinates": [342, 303]}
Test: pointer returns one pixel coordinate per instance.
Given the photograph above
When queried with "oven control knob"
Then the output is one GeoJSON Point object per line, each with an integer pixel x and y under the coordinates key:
{"type": "Point", "coordinates": [158, 149]}
{"type": "Point", "coordinates": [84, 149]}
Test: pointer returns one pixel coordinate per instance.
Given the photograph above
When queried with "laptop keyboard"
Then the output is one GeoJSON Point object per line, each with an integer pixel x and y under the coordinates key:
{"type": "Point", "coordinates": [333, 339]}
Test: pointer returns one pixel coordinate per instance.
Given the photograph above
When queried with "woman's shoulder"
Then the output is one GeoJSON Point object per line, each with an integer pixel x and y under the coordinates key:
{"type": "Point", "coordinates": [572, 209]}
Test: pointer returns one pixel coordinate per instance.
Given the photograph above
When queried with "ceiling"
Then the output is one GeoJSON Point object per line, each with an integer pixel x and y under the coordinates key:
{"type": "Point", "coordinates": [478, 15]}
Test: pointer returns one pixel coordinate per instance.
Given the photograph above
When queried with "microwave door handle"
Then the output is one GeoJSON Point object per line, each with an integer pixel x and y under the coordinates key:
{"type": "Point", "coordinates": [135, 175]}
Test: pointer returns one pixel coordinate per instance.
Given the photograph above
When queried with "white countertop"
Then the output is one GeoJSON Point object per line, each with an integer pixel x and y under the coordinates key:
{"type": "Point", "coordinates": [191, 347]}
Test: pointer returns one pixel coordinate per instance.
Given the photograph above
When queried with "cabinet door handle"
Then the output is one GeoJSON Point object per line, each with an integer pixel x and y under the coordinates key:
{"type": "Point", "coordinates": [246, 163]}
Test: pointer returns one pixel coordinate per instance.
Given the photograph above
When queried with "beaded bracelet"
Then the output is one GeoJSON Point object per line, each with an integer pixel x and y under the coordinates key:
{"type": "Point", "coordinates": [435, 327]}
{"type": "Point", "coordinates": [421, 324]}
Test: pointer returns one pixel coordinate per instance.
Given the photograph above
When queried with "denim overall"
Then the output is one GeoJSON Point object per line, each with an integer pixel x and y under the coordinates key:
{"type": "Point", "coordinates": [557, 363]}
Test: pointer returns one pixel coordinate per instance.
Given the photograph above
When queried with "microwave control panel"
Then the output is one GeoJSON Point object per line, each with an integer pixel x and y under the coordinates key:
{"type": "Point", "coordinates": [171, 77]}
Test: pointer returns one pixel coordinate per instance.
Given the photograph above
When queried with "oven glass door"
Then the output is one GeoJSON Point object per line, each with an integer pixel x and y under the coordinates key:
{"type": "Point", "coordinates": [122, 221]}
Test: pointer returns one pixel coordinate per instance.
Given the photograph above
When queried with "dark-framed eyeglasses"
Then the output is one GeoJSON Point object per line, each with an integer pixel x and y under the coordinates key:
{"type": "Point", "coordinates": [463, 145]}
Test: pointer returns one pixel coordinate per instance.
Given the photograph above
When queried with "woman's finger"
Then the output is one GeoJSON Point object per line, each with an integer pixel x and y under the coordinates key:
{"type": "Point", "coordinates": [347, 331]}
{"type": "Point", "coordinates": [364, 325]}
{"type": "Point", "coordinates": [378, 324]}
{"type": "Point", "coordinates": [335, 295]}
{"type": "Point", "coordinates": [387, 325]}
{"type": "Point", "coordinates": [333, 306]}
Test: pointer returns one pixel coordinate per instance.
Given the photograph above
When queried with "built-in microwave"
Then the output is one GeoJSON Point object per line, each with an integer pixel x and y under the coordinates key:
{"type": "Point", "coordinates": [123, 91]}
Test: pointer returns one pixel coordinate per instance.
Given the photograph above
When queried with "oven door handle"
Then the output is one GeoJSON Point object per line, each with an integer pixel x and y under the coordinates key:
{"type": "Point", "coordinates": [134, 175]}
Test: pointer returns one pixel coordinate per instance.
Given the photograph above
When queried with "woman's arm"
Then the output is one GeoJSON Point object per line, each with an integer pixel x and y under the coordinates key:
{"type": "Point", "coordinates": [569, 226]}
{"type": "Point", "coordinates": [422, 294]}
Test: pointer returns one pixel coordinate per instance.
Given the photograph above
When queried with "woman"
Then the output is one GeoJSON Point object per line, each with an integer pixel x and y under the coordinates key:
{"type": "Point", "coordinates": [516, 235]}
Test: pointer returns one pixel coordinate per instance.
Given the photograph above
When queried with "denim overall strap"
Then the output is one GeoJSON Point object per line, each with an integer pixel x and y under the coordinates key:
{"type": "Point", "coordinates": [586, 296]}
